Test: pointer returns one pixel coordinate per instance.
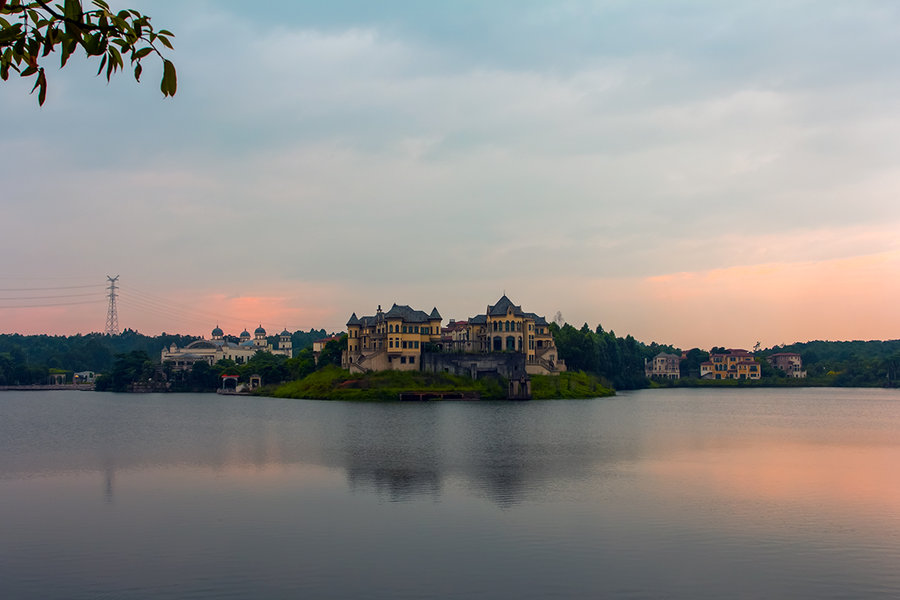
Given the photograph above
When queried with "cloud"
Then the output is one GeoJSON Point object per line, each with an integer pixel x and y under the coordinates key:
{"type": "Point", "coordinates": [444, 155]}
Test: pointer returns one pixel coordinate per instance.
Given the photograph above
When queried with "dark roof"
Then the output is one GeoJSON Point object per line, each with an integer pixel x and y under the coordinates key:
{"type": "Point", "coordinates": [207, 344]}
{"type": "Point", "coordinates": [353, 320]}
{"type": "Point", "coordinates": [409, 315]}
{"type": "Point", "coordinates": [478, 320]}
{"type": "Point", "coordinates": [285, 332]}
{"type": "Point", "coordinates": [434, 314]}
{"type": "Point", "coordinates": [245, 333]}
{"type": "Point", "coordinates": [502, 307]}
{"type": "Point", "coordinates": [538, 320]}
{"type": "Point", "coordinates": [217, 332]}
{"type": "Point", "coordinates": [260, 330]}
{"type": "Point", "coordinates": [368, 321]}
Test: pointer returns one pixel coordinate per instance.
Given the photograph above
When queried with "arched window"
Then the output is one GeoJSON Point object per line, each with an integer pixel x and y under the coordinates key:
{"type": "Point", "coordinates": [498, 343]}
{"type": "Point", "coordinates": [510, 343]}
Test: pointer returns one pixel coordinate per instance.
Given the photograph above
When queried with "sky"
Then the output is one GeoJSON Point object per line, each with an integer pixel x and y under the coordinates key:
{"type": "Point", "coordinates": [695, 173]}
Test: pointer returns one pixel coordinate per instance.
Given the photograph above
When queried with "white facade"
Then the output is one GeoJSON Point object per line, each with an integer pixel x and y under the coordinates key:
{"type": "Point", "coordinates": [218, 348]}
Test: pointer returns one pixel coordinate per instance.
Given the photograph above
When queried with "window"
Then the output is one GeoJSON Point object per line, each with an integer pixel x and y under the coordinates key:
{"type": "Point", "coordinates": [417, 329]}
{"type": "Point", "coordinates": [402, 360]}
{"type": "Point", "coordinates": [416, 344]}
{"type": "Point", "coordinates": [412, 360]}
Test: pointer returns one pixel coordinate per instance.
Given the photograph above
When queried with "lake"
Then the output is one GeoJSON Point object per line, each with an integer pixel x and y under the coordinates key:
{"type": "Point", "coordinates": [685, 493]}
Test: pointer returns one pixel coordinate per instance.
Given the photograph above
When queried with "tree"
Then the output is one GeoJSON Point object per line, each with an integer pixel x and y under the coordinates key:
{"type": "Point", "coordinates": [331, 353]}
{"type": "Point", "coordinates": [35, 29]}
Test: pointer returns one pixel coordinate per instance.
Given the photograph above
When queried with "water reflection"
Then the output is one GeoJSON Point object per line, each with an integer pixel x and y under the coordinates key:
{"type": "Point", "coordinates": [504, 452]}
{"type": "Point", "coordinates": [680, 494]}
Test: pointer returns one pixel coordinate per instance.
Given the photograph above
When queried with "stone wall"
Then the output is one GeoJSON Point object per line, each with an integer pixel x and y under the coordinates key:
{"type": "Point", "coordinates": [510, 365]}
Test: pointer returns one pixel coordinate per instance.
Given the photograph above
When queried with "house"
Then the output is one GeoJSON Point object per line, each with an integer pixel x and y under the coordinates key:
{"type": "Point", "coordinates": [663, 366]}
{"type": "Point", "coordinates": [397, 338]}
{"type": "Point", "coordinates": [505, 327]}
{"type": "Point", "coordinates": [789, 362]}
{"type": "Point", "coordinates": [319, 345]}
{"type": "Point", "coordinates": [732, 364]}
{"type": "Point", "coordinates": [391, 340]}
{"type": "Point", "coordinates": [218, 348]}
{"type": "Point", "coordinates": [85, 377]}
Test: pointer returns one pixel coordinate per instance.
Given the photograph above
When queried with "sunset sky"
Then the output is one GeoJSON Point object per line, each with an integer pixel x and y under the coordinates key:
{"type": "Point", "coordinates": [695, 173]}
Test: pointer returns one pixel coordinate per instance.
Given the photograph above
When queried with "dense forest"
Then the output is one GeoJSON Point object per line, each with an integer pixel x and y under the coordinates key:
{"type": "Point", "coordinates": [619, 360]}
{"type": "Point", "coordinates": [848, 364]}
{"type": "Point", "coordinates": [29, 359]}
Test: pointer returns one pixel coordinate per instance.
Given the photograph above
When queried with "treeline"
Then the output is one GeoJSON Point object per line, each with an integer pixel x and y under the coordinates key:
{"type": "Point", "coordinates": [618, 360]}
{"type": "Point", "coordinates": [848, 364]}
{"type": "Point", "coordinates": [138, 370]}
{"type": "Point", "coordinates": [29, 359]}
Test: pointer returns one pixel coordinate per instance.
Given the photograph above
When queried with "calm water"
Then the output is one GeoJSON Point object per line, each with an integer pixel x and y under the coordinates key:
{"type": "Point", "coordinates": [656, 494]}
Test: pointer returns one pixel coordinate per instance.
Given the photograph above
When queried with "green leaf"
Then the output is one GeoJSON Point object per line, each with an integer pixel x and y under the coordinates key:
{"type": "Point", "coordinates": [141, 53]}
{"type": "Point", "coordinates": [116, 56]}
{"type": "Point", "coordinates": [169, 83]}
{"type": "Point", "coordinates": [102, 64]}
{"type": "Point", "coordinates": [166, 42]}
{"type": "Point", "coordinates": [40, 82]}
{"type": "Point", "coordinates": [137, 71]}
{"type": "Point", "coordinates": [42, 94]}
{"type": "Point", "coordinates": [72, 10]}
{"type": "Point", "coordinates": [66, 47]}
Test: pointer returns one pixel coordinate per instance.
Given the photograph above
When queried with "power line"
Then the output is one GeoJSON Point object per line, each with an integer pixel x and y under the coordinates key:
{"type": "Point", "coordinates": [56, 304]}
{"type": "Point", "coordinates": [47, 297]}
{"type": "Point", "coordinates": [44, 289]}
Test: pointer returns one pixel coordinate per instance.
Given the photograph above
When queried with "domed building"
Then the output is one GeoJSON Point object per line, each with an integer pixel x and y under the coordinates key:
{"type": "Point", "coordinates": [218, 347]}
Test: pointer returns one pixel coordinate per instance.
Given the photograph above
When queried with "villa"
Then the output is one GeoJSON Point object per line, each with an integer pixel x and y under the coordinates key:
{"type": "Point", "coordinates": [219, 348]}
{"type": "Point", "coordinates": [398, 338]}
{"type": "Point", "coordinates": [733, 364]}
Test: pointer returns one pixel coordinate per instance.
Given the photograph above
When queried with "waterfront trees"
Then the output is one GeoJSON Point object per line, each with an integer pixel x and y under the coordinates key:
{"type": "Point", "coordinates": [31, 30]}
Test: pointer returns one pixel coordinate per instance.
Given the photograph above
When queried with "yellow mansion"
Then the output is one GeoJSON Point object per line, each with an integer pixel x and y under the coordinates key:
{"type": "Point", "coordinates": [395, 339]}
{"type": "Point", "coordinates": [391, 340]}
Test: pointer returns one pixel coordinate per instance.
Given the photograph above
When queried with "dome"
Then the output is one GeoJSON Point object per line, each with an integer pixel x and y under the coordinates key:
{"type": "Point", "coordinates": [245, 334]}
{"type": "Point", "coordinates": [217, 332]}
{"type": "Point", "coordinates": [260, 331]}
{"type": "Point", "coordinates": [286, 333]}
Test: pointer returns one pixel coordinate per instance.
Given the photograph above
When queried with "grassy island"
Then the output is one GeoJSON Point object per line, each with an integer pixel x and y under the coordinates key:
{"type": "Point", "coordinates": [332, 383]}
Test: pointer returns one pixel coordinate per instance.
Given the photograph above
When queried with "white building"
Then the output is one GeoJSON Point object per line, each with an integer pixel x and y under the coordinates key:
{"type": "Point", "coordinates": [218, 348]}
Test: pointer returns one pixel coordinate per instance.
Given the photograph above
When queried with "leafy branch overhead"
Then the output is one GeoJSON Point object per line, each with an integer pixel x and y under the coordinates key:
{"type": "Point", "coordinates": [31, 30]}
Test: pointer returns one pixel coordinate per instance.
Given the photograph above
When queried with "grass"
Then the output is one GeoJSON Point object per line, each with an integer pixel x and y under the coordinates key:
{"type": "Point", "coordinates": [332, 383]}
{"type": "Point", "coordinates": [570, 384]}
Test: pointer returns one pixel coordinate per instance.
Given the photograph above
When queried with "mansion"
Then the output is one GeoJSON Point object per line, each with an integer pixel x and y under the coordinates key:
{"type": "Point", "coordinates": [396, 339]}
{"type": "Point", "coordinates": [219, 348]}
{"type": "Point", "coordinates": [663, 366]}
{"type": "Point", "coordinates": [789, 362]}
{"type": "Point", "coordinates": [733, 364]}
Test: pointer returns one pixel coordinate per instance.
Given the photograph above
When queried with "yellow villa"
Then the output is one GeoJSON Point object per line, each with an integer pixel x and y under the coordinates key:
{"type": "Point", "coordinates": [391, 340]}
{"type": "Point", "coordinates": [505, 327]}
{"type": "Point", "coordinates": [733, 364]}
{"type": "Point", "coordinates": [397, 338]}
